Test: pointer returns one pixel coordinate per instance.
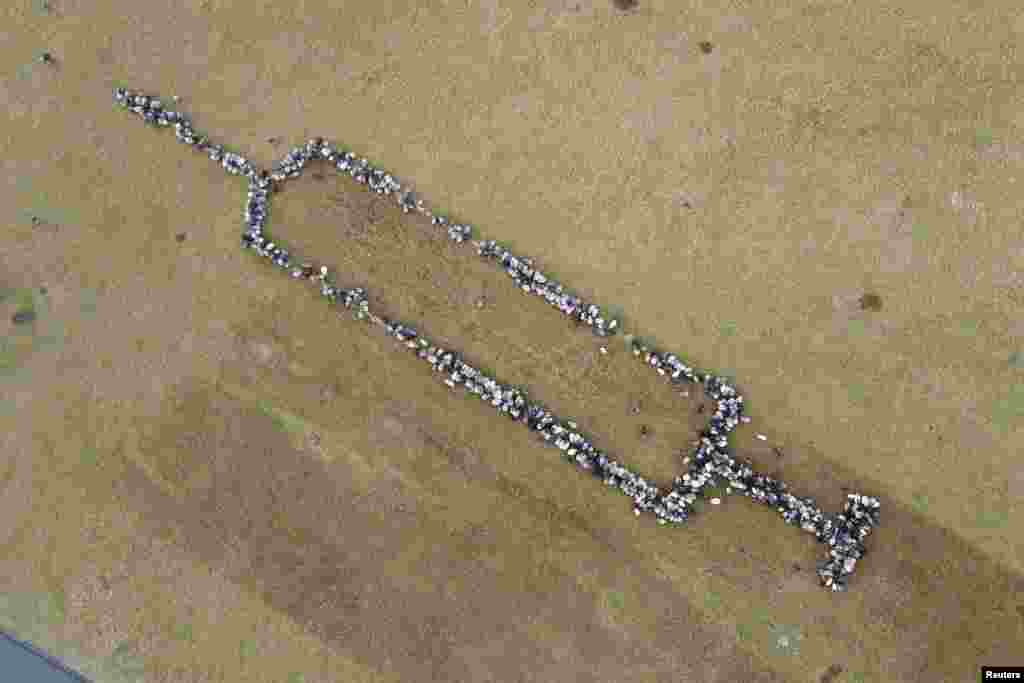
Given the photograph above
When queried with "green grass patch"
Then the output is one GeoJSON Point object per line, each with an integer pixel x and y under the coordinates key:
{"type": "Point", "coordinates": [714, 492]}
{"type": "Point", "coordinates": [727, 375]}
{"type": "Point", "coordinates": [727, 329]}
{"type": "Point", "coordinates": [246, 649]}
{"type": "Point", "coordinates": [31, 615]}
{"type": "Point", "coordinates": [744, 633]}
{"type": "Point", "coordinates": [919, 503]}
{"type": "Point", "coordinates": [919, 232]}
{"type": "Point", "coordinates": [983, 137]}
{"type": "Point", "coordinates": [992, 519]}
{"type": "Point", "coordinates": [712, 600]}
{"type": "Point", "coordinates": [761, 617]}
{"type": "Point", "coordinates": [296, 677]}
{"type": "Point", "coordinates": [1016, 360]}
{"type": "Point", "coordinates": [854, 677]}
{"type": "Point", "coordinates": [46, 208]}
{"type": "Point", "coordinates": [9, 360]}
{"type": "Point", "coordinates": [786, 639]}
{"type": "Point", "coordinates": [1008, 411]}
{"type": "Point", "coordinates": [88, 302]}
{"type": "Point", "coordinates": [966, 328]}
{"type": "Point", "coordinates": [616, 312]}
{"type": "Point", "coordinates": [25, 70]}
{"type": "Point", "coordinates": [23, 299]}
{"type": "Point", "coordinates": [282, 419]}
{"type": "Point", "coordinates": [57, 607]}
{"type": "Point", "coordinates": [856, 393]}
{"type": "Point", "coordinates": [89, 457]}
{"type": "Point", "coordinates": [125, 661]}
{"type": "Point", "coordinates": [183, 632]}
{"type": "Point", "coordinates": [616, 600]}
{"type": "Point", "coordinates": [26, 338]}
{"type": "Point", "coordinates": [856, 328]}
{"type": "Point", "coordinates": [48, 340]}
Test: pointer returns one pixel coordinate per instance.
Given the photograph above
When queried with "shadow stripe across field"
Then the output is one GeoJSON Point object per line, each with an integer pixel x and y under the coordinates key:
{"type": "Point", "coordinates": [21, 661]}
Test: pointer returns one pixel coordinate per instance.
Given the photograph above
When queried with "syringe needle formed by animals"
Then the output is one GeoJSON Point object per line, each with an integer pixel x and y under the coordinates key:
{"type": "Point", "coordinates": [711, 462]}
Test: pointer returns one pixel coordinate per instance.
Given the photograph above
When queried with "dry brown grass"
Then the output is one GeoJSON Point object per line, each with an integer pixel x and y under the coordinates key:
{"type": "Point", "coordinates": [208, 475]}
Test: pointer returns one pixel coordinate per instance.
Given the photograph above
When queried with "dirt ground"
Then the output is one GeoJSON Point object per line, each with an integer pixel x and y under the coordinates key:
{"type": "Point", "coordinates": [208, 475]}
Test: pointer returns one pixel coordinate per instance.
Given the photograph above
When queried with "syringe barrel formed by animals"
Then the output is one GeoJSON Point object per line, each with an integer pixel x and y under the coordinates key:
{"type": "Point", "coordinates": [711, 463]}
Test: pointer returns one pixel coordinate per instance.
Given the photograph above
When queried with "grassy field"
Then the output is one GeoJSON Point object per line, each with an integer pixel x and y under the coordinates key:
{"type": "Point", "coordinates": [208, 475]}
